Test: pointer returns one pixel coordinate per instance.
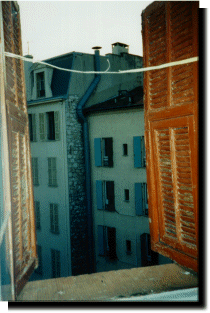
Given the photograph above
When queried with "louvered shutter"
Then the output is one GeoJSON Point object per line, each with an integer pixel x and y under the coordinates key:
{"type": "Point", "coordinates": [97, 151]}
{"type": "Point", "coordinates": [137, 151]}
{"type": "Point", "coordinates": [57, 125]}
{"type": "Point", "coordinates": [23, 244]}
{"type": "Point", "coordinates": [42, 127]}
{"type": "Point", "coordinates": [170, 33]}
{"type": "Point", "coordinates": [99, 194]}
{"type": "Point", "coordinates": [34, 126]}
{"type": "Point", "coordinates": [138, 199]}
{"type": "Point", "coordinates": [101, 240]}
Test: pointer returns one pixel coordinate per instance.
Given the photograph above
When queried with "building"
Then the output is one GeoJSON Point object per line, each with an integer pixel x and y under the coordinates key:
{"type": "Point", "coordinates": [119, 183]}
{"type": "Point", "coordinates": [55, 100]}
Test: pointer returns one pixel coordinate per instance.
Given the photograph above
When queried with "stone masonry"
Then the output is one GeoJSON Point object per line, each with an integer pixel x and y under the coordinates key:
{"type": "Point", "coordinates": [76, 184]}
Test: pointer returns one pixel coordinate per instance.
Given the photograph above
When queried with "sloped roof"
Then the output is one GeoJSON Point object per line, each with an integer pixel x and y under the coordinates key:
{"type": "Point", "coordinates": [125, 99]}
{"type": "Point", "coordinates": [60, 79]}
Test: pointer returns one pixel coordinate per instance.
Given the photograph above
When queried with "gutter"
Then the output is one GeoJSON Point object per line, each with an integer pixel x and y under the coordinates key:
{"type": "Point", "coordinates": [83, 120]}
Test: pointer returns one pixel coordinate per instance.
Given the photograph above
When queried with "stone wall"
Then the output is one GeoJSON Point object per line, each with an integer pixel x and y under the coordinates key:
{"type": "Point", "coordinates": [77, 194]}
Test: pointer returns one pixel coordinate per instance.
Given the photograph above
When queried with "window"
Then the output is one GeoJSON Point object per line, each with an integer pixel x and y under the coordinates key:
{"type": "Point", "coordinates": [37, 213]}
{"type": "Point", "coordinates": [49, 126]}
{"type": "Point", "coordinates": [39, 268]}
{"type": "Point", "coordinates": [103, 151]}
{"type": "Point", "coordinates": [40, 85]}
{"type": "Point", "coordinates": [125, 149]}
{"type": "Point", "coordinates": [107, 242]}
{"type": "Point", "coordinates": [128, 246]}
{"type": "Point", "coordinates": [52, 172]}
{"type": "Point", "coordinates": [32, 126]}
{"type": "Point", "coordinates": [139, 151]}
{"type": "Point", "coordinates": [126, 191]}
{"type": "Point", "coordinates": [141, 199]}
{"type": "Point", "coordinates": [54, 226]}
{"type": "Point", "coordinates": [148, 257]}
{"type": "Point", "coordinates": [105, 195]}
{"type": "Point", "coordinates": [56, 263]}
{"type": "Point", "coordinates": [35, 171]}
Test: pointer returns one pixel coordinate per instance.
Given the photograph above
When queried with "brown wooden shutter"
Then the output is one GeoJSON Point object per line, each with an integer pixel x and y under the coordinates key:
{"type": "Point", "coordinates": [170, 33]}
{"type": "Point", "coordinates": [22, 203]}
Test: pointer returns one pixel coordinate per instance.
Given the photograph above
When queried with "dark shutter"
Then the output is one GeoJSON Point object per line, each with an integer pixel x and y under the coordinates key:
{"type": "Point", "coordinates": [99, 194]}
{"type": "Point", "coordinates": [22, 203]}
{"type": "Point", "coordinates": [110, 196]}
{"type": "Point", "coordinates": [101, 240]}
{"type": "Point", "coordinates": [111, 238]}
{"type": "Point", "coordinates": [138, 199]}
{"type": "Point", "coordinates": [97, 151]}
{"type": "Point", "coordinates": [137, 151]}
{"type": "Point", "coordinates": [170, 33]}
{"type": "Point", "coordinates": [109, 150]}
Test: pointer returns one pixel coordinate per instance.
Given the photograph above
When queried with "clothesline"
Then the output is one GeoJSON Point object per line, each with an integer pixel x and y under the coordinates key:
{"type": "Point", "coordinates": [137, 70]}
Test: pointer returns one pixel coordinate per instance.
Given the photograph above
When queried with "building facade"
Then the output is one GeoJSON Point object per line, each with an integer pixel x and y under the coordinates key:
{"type": "Point", "coordinates": [57, 149]}
{"type": "Point", "coordinates": [119, 183]}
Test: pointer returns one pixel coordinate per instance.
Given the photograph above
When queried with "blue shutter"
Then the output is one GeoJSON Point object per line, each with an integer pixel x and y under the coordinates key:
{"type": "Point", "coordinates": [100, 240]}
{"type": "Point", "coordinates": [138, 199]}
{"type": "Point", "coordinates": [99, 194]}
{"type": "Point", "coordinates": [97, 147]}
{"type": "Point", "coordinates": [137, 151]}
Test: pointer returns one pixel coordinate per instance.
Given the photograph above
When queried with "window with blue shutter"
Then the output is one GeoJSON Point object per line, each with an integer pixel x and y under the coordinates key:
{"type": "Point", "coordinates": [97, 149]}
{"type": "Point", "coordinates": [99, 194]}
{"type": "Point", "coordinates": [101, 240]}
{"type": "Point", "coordinates": [138, 199]}
{"type": "Point", "coordinates": [137, 151]}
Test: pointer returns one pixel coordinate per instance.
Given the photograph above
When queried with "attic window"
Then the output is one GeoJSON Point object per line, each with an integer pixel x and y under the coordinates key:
{"type": "Point", "coordinates": [40, 85]}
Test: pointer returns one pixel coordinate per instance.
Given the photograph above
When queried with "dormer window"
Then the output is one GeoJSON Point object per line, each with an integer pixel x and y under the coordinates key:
{"type": "Point", "coordinates": [40, 85]}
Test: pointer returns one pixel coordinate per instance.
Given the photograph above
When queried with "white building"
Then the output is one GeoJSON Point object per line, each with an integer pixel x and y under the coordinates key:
{"type": "Point", "coordinates": [119, 184]}
{"type": "Point", "coordinates": [63, 207]}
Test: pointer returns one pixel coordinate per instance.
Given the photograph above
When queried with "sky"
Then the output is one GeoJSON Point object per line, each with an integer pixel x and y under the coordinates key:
{"type": "Point", "coordinates": [51, 28]}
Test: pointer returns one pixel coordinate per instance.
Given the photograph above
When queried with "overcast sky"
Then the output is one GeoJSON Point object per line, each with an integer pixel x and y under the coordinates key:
{"type": "Point", "coordinates": [57, 27]}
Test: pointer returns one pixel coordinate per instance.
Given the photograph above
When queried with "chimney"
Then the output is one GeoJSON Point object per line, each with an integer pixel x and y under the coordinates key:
{"type": "Point", "coordinates": [118, 48]}
{"type": "Point", "coordinates": [97, 49]}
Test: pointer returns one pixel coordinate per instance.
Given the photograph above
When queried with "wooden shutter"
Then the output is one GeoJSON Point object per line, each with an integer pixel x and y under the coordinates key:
{"type": "Point", "coordinates": [57, 125]}
{"type": "Point", "coordinates": [97, 150]}
{"type": "Point", "coordinates": [170, 33]}
{"type": "Point", "coordinates": [23, 244]}
{"type": "Point", "coordinates": [101, 240]}
{"type": "Point", "coordinates": [138, 199]}
{"type": "Point", "coordinates": [42, 127]}
{"type": "Point", "coordinates": [137, 151]}
{"type": "Point", "coordinates": [99, 194]}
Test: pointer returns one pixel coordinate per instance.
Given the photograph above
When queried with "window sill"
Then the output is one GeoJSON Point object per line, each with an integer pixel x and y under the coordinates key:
{"type": "Point", "coordinates": [112, 285]}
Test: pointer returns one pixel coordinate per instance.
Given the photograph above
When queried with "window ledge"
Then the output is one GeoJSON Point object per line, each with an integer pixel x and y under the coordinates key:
{"type": "Point", "coordinates": [111, 286]}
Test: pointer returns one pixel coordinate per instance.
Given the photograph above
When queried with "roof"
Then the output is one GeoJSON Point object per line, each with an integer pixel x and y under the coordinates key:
{"type": "Point", "coordinates": [125, 99]}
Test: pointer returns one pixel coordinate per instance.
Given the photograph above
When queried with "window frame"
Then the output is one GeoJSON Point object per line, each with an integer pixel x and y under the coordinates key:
{"type": "Point", "coordinates": [40, 82]}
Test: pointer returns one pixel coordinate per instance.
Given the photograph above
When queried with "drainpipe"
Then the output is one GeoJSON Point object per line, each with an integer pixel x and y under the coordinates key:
{"type": "Point", "coordinates": [83, 120]}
